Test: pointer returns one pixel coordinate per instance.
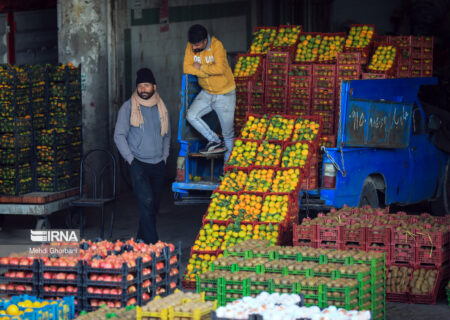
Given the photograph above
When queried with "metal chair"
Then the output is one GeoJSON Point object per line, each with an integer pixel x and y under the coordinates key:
{"type": "Point", "coordinates": [90, 196]}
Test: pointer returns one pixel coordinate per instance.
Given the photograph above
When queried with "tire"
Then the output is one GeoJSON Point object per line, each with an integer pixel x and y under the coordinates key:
{"type": "Point", "coordinates": [369, 195]}
{"type": "Point", "coordinates": [441, 206]}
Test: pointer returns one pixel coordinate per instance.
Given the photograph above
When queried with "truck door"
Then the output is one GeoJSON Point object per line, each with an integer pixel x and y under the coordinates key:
{"type": "Point", "coordinates": [424, 157]}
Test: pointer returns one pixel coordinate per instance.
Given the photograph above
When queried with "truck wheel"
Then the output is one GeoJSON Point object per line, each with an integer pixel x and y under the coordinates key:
{"type": "Point", "coordinates": [369, 195]}
{"type": "Point", "coordinates": [441, 206]}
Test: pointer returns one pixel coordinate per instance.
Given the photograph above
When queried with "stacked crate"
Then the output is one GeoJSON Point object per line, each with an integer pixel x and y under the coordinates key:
{"type": "Point", "coordinates": [276, 88]}
{"type": "Point", "coordinates": [422, 56]}
{"type": "Point", "coordinates": [348, 68]}
{"type": "Point", "coordinates": [58, 146]}
{"type": "Point", "coordinates": [299, 92]}
{"type": "Point", "coordinates": [323, 96]}
{"type": "Point", "coordinates": [16, 139]}
{"type": "Point", "coordinates": [404, 59]}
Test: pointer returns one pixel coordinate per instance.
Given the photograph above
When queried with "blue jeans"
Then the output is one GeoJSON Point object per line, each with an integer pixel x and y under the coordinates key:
{"type": "Point", "coordinates": [147, 180]}
{"type": "Point", "coordinates": [223, 105]}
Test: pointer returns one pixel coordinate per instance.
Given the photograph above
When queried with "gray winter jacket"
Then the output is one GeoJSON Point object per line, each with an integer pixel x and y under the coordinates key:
{"type": "Point", "coordinates": [146, 143]}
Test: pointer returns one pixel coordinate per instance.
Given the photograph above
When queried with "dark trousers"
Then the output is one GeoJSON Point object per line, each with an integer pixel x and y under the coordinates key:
{"type": "Point", "coordinates": [147, 180]}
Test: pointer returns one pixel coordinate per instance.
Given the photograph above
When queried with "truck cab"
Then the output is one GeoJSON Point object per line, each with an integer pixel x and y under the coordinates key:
{"type": "Point", "coordinates": [384, 152]}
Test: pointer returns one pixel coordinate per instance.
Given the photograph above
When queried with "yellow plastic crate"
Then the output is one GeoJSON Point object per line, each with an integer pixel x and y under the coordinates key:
{"type": "Point", "coordinates": [197, 314]}
{"type": "Point", "coordinates": [164, 314]}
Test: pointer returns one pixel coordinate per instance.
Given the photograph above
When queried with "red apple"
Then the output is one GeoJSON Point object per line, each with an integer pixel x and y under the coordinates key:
{"type": "Point", "coordinates": [61, 289]}
{"type": "Point", "coordinates": [90, 290]}
{"type": "Point", "coordinates": [130, 277]}
{"type": "Point", "coordinates": [110, 304]}
{"type": "Point", "coordinates": [114, 291]}
{"type": "Point", "coordinates": [146, 283]}
{"type": "Point", "coordinates": [48, 275]}
{"type": "Point", "coordinates": [71, 276]}
{"type": "Point", "coordinates": [94, 302]}
{"type": "Point", "coordinates": [10, 287]}
{"type": "Point", "coordinates": [28, 288]}
{"type": "Point", "coordinates": [107, 278]}
{"type": "Point", "coordinates": [60, 276]}
{"type": "Point", "coordinates": [2, 286]}
{"type": "Point", "coordinates": [4, 260]}
{"type": "Point", "coordinates": [29, 275]}
{"type": "Point", "coordinates": [20, 274]}
{"type": "Point", "coordinates": [131, 289]}
{"type": "Point", "coordinates": [131, 302]}
{"type": "Point", "coordinates": [117, 304]}
{"type": "Point", "coordinates": [159, 265]}
{"type": "Point", "coordinates": [53, 288]}
{"type": "Point", "coordinates": [93, 277]}
{"type": "Point", "coordinates": [20, 288]}
{"type": "Point", "coordinates": [97, 291]}
{"type": "Point", "coordinates": [24, 262]}
{"type": "Point", "coordinates": [46, 288]}
{"type": "Point", "coordinates": [13, 261]}
{"type": "Point", "coordinates": [145, 296]}
{"type": "Point", "coordinates": [106, 291]}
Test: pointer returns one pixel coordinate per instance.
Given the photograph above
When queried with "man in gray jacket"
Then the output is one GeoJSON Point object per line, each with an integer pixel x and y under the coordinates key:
{"type": "Point", "coordinates": [142, 135]}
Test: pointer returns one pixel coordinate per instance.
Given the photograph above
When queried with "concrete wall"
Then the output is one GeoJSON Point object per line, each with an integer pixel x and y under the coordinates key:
{"type": "Point", "coordinates": [36, 37]}
{"type": "Point", "coordinates": [139, 42]}
{"type": "Point", "coordinates": [82, 39]}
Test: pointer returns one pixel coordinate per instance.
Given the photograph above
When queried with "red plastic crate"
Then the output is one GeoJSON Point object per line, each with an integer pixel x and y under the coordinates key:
{"type": "Point", "coordinates": [324, 82]}
{"type": "Point", "coordinates": [323, 93]}
{"type": "Point", "coordinates": [324, 70]}
{"type": "Point", "coordinates": [386, 249]}
{"type": "Point", "coordinates": [399, 254]}
{"type": "Point", "coordinates": [329, 245]}
{"type": "Point", "coordinates": [366, 50]}
{"type": "Point", "coordinates": [428, 41]}
{"type": "Point", "coordinates": [299, 105]}
{"type": "Point", "coordinates": [379, 234]}
{"type": "Point", "coordinates": [353, 234]}
{"type": "Point", "coordinates": [276, 81]}
{"type": "Point", "coordinates": [329, 233]}
{"type": "Point", "coordinates": [381, 38]}
{"type": "Point", "coordinates": [401, 41]}
{"type": "Point", "coordinates": [432, 237]}
{"type": "Point", "coordinates": [436, 256]}
{"type": "Point", "coordinates": [439, 284]}
{"type": "Point", "coordinates": [393, 68]}
{"type": "Point", "coordinates": [299, 93]}
{"type": "Point", "coordinates": [277, 69]}
{"type": "Point", "coordinates": [348, 58]}
{"type": "Point", "coordinates": [329, 141]}
{"type": "Point", "coordinates": [305, 232]}
{"type": "Point", "coordinates": [297, 82]}
{"type": "Point", "coordinates": [242, 86]}
{"type": "Point", "coordinates": [402, 237]}
{"type": "Point", "coordinates": [323, 105]}
{"type": "Point", "coordinates": [188, 284]}
{"type": "Point", "coordinates": [427, 53]}
{"type": "Point", "coordinates": [416, 53]}
{"type": "Point", "coordinates": [262, 27]}
{"type": "Point", "coordinates": [370, 75]}
{"type": "Point", "coordinates": [298, 113]}
{"type": "Point", "coordinates": [349, 70]}
{"type": "Point", "coordinates": [301, 70]}
{"type": "Point", "coordinates": [258, 69]}
{"type": "Point", "coordinates": [274, 56]}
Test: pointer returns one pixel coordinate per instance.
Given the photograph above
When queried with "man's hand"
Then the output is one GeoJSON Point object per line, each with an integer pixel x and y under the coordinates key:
{"type": "Point", "coordinates": [197, 65]}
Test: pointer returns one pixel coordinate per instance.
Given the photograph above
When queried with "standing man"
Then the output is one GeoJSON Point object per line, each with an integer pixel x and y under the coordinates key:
{"type": "Point", "coordinates": [142, 135]}
{"type": "Point", "coordinates": [206, 58]}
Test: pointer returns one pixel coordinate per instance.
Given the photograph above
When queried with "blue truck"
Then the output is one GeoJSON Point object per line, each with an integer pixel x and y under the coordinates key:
{"type": "Point", "coordinates": [385, 153]}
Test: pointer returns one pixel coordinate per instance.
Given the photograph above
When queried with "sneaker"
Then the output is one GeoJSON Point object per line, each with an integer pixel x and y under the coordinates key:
{"type": "Point", "coordinates": [213, 148]}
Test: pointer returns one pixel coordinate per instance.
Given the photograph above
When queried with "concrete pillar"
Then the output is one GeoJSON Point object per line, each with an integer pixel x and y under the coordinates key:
{"type": "Point", "coordinates": [82, 39]}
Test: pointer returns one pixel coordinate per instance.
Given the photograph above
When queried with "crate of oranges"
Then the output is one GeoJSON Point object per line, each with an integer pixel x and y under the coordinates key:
{"type": "Point", "coordinates": [262, 38]}
{"type": "Point", "coordinates": [384, 59]}
{"type": "Point", "coordinates": [248, 66]}
{"type": "Point", "coordinates": [359, 39]}
{"type": "Point", "coordinates": [286, 39]}
{"type": "Point", "coordinates": [255, 127]}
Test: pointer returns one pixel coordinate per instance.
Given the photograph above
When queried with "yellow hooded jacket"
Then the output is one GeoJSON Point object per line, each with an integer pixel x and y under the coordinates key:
{"type": "Point", "coordinates": [215, 75]}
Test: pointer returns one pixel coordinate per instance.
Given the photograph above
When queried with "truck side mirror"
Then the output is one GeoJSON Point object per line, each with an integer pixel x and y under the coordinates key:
{"type": "Point", "coordinates": [434, 123]}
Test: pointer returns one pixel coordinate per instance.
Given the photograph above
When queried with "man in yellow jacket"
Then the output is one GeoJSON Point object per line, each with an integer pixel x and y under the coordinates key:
{"type": "Point", "coordinates": [206, 58]}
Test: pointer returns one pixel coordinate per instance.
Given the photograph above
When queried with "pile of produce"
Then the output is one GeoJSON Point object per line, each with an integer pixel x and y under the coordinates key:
{"type": "Point", "coordinates": [347, 279]}
{"type": "Point", "coordinates": [415, 246]}
{"type": "Point", "coordinates": [290, 307]}
{"type": "Point", "coordinates": [115, 274]}
{"type": "Point", "coordinates": [52, 109]}
{"type": "Point", "coordinates": [29, 307]}
{"type": "Point", "coordinates": [178, 305]}
{"type": "Point", "coordinates": [257, 196]}
{"type": "Point", "coordinates": [284, 81]}
{"type": "Point", "coordinates": [105, 312]}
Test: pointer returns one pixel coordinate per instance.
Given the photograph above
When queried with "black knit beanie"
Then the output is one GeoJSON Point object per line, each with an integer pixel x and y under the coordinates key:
{"type": "Point", "coordinates": [145, 75]}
